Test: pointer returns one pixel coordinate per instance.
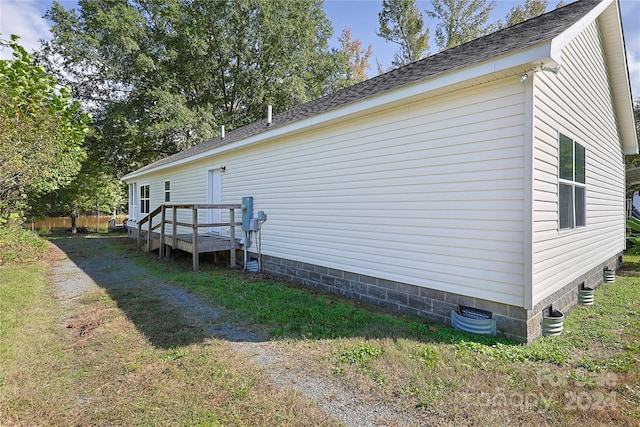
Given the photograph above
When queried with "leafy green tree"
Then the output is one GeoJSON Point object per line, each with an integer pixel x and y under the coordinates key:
{"type": "Point", "coordinates": [164, 75]}
{"type": "Point", "coordinates": [460, 21]}
{"type": "Point", "coordinates": [92, 192]}
{"type": "Point", "coordinates": [530, 9]}
{"type": "Point", "coordinates": [401, 23]}
{"type": "Point", "coordinates": [41, 131]}
{"type": "Point", "coordinates": [633, 161]}
{"type": "Point", "coordinates": [521, 13]}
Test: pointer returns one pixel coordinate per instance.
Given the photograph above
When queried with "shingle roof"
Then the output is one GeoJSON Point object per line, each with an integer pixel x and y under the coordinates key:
{"type": "Point", "coordinates": [521, 36]}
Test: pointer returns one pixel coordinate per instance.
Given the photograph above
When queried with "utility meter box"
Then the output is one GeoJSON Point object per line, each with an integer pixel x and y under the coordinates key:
{"type": "Point", "coordinates": [247, 213]}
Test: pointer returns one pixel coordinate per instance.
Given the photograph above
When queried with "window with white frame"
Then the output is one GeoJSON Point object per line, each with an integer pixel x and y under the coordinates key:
{"type": "Point", "coordinates": [144, 199]}
{"type": "Point", "coordinates": [167, 191]}
{"type": "Point", "coordinates": [571, 183]}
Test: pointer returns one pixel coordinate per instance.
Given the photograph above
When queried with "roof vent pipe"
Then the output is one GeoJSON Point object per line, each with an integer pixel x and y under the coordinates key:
{"type": "Point", "coordinates": [222, 132]}
{"type": "Point", "coordinates": [269, 115]}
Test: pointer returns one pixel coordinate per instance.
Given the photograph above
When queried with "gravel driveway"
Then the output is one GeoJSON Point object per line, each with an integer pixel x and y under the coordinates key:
{"type": "Point", "coordinates": [86, 264]}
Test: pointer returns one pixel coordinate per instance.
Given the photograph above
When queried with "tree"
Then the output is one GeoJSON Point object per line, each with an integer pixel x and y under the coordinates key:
{"type": "Point", "coordinates": [460, 21]}
{"type": "Point", "coordinates": [92, 191]}
{"type": "Point", "coordinates": [41, 131]}
{"type": "Point", "coordinates": [401, 23]}
{"type": "Point", "coordinates": [354, 57]}
{"type": "Point", "coordinates": [521, 13]}
{"type": "Point", "coordinates": [164, 75]}
{"type": "Point", "coordinates": [633, 160]}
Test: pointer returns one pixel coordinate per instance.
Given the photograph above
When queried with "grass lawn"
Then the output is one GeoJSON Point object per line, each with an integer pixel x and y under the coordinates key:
{"type": "Point", "coordinates": [587, 377]}
{"type": "Point", "coordinates": [113, 374]}
{"type": "Point", "coordinates": [96, 368]}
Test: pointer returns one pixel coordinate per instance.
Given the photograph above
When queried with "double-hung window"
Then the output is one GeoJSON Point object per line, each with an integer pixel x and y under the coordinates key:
{"type": "Point", "coordinates": [571, 183]}
{"type": "Point", "coordinates": [144, 199]}
{"type": "Point", "coordinates": [167, 191]}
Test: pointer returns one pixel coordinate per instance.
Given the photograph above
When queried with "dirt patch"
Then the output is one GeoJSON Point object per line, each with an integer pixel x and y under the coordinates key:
{"type": "Point", "coordinates": [82, 265]}
{"type": "Point", "coordinates": [85, 328]}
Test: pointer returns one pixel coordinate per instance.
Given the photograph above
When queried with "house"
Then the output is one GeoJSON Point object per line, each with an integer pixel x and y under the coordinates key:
{"type": "Point", "coordinates": [488, 176]}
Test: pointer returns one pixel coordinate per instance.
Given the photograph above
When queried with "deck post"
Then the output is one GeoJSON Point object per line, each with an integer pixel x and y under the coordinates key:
{"type": "Point", "coordinates": [163, 217]}
{"type": "Point", "coordinates": [174, 224]}
{"type": "Point", "coordinates": [139, 236]}
{"type": "Point", "coordinates": [195, 240]}
{"type": "Point", "coordinates": [232, 235]}
{"type": "Point", "coordinates": [149, 233]}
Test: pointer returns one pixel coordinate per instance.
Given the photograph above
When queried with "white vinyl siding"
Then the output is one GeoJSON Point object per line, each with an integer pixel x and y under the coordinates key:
{"type": "Point", "coordinates": [429, 193]}
{"type": "Point", "coordinates": [188, 185]}
{"type": "Point", "coordinates": [577, 101]}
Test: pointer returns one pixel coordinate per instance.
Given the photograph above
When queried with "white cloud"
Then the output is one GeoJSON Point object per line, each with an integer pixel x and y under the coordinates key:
{"type": "Point", "coordinates": [23, 18]}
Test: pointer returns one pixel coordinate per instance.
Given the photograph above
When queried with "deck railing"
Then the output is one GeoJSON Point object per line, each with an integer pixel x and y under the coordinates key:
{"type": "Point", "coordinates": [194, 225]}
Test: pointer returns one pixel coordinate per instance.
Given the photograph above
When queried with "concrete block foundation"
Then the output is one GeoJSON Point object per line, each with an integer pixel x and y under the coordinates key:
{"type": "Point", "coordinates": [513, 323]}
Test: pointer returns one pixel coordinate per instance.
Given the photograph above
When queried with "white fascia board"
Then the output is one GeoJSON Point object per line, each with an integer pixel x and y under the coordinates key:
{"type": "Point", "coordinates": [609, 12]}
{"type": "Point", "coordinates": [526, 57]}
{"type": "Point", "coordinates": [620, 81]}
{"type": "Point", "coordinates": [560, 41]}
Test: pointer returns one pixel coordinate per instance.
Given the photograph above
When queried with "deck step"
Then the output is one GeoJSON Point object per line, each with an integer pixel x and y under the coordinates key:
{"type": "Point", "coordinates": [155, 243]}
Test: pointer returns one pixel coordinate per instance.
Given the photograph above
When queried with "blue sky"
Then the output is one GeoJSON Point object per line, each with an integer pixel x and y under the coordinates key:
{"type": "Point", "coordinates": [24, 17]}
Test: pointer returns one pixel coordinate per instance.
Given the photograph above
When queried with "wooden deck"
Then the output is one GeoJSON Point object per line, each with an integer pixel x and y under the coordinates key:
{"type": "Point", "coordinates": [195, 243]}
{"type": "Point", "coordinates": [207, 242]}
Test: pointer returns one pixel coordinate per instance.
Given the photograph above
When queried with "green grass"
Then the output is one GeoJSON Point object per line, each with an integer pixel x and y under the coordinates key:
{"type": "Point", "coordinates": [362, 354]}
{"type": "Point", "coordinates": [126, 359]}
{"type": "Point", "coordinates": [291, 312]}
{"type": "Point", "coordinates": [426, 363]}
{"type": "Point", "coordinates": [31, 351]}
{"type": "Point", "coordinates": [286, 311]}
{"type": "Point", "coordinates": [296, 313]}
{"type": "Point", "coordinates": [147, 364]}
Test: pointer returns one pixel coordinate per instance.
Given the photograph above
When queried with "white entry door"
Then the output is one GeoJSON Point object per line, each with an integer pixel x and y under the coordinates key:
{"type": "Point", "coordinates": [214, 197]}
{"type": "Point", "coordinates": [133, 201]}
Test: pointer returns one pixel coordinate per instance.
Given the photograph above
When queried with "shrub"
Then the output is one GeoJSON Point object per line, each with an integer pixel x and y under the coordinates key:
{"type": "Point", "coordinates": [18, 244]}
